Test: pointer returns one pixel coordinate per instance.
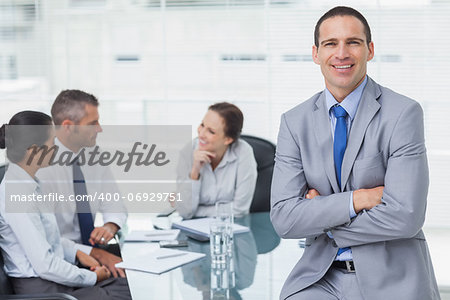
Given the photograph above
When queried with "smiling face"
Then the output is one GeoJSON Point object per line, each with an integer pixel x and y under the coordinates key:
{"type": "Point", "coordinates": [211, 133]}
{"type": "Point", "coordinates": [342, 54]}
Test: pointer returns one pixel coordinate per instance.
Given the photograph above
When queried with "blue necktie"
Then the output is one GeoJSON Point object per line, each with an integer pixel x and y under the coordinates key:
{"type": "Point", "coordinates": [340, 139]}
{"type": "Point", "coordinates": [83, 207]}
{"type": "Point", "coordinates": [340, 143]}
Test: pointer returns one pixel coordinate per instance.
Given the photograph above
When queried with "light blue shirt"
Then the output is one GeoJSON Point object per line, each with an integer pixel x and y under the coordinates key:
{"type": "Point", "coordinates": [31, 244]}
{"type": "Point", "coordinates": [350, 104]}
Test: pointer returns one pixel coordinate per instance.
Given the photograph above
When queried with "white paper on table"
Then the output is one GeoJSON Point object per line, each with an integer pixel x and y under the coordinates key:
{"type": "Point", "coordinates": [151, 264]}
{"type": "Point", "coordinates": [201, 226]}
{"type": "Point", "coordinates": [152, 235]}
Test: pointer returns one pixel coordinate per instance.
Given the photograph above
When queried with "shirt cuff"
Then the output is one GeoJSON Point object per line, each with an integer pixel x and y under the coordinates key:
{"type": "Point", "coordinates": [117, 218]}
{"type": "Point", "coordinates": [196, 185]}
{"type": "Point", "coordinates": [83, 248]}
{"type": "Point", "coordinates": [352, 209]}
{"type": "Point", "coordinates": [90, 278]}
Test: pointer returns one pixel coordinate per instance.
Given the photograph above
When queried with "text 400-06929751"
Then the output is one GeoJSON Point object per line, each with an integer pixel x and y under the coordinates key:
{"type": "Point", "coordinates": [154, 197]}
{"type": "Point", "coordinates": [140, 197]}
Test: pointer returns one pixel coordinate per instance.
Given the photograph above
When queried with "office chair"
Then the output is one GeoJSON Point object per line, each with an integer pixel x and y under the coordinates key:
{"type": "Point", "coordinates": [6, 290]}
{"type": "Point", "coordinates": [264, 154]}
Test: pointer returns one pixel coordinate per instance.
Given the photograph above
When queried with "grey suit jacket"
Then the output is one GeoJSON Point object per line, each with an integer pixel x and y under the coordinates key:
{"type": "Point", "coordinates": [385, 147]}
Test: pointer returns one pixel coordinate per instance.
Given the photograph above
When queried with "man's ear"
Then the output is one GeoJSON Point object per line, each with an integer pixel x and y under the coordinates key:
{"type": "Point", "coordinates": [315, 54]}
{"type": "Point", "coordinates": [228, 140]}
{"type": "Point", "coordinates": [66, 125]}
{"type": "Point", "coordinates": [371, 51]}
{"type": "Point", "coordinates": [67, 122]}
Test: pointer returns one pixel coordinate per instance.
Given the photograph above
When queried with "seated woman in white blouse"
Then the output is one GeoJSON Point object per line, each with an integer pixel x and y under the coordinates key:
{"type": "Point", "coordinates": [222, 167]}
{"type": "Point", "coordinates": [37, 259]}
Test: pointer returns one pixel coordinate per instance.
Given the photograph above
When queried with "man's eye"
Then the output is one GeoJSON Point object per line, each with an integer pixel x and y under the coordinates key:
{"type": "Point", "coordinates": [354, 42]}
{"type": "Point", "coordinates": [329, 44]}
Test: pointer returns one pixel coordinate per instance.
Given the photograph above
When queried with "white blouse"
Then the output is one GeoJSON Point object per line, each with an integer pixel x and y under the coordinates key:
{"type": "Point", "coordinates": [234, 179]}
{"type": "Point", "coordinates": [31, 243]}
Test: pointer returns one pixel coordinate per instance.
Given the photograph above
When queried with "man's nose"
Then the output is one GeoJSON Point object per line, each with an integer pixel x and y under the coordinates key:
{"type": "Point", "coordinates": [341, 51]}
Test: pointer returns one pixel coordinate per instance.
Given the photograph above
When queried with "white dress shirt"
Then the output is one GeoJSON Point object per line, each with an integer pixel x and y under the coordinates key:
{"type": "Point", "coordinates": [234, 179]}
{"type": "Point", "coordinates": [31, 243]}
{"type": "Point", "coordinates": [99, 179]}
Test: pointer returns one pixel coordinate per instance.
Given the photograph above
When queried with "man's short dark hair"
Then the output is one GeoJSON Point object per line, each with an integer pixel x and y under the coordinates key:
{"type": "Point", "coordinates": [70, 105]}
{"type": "Point", "coordinates": [342, 11]}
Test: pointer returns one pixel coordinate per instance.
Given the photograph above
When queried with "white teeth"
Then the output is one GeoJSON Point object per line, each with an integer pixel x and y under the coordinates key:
{"type": "Point", "coordinates": [202, 141]}
{"type": "Point", "coordinates": [343, 67]}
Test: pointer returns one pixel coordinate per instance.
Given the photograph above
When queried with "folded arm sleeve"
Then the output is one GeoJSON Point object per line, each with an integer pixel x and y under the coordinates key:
{"type": "Point", "coordinates": [294, 216]}
{"type": "Point", "coordinates": [188, 188]}
{"type": "Point", "coordinates": [402, 211]}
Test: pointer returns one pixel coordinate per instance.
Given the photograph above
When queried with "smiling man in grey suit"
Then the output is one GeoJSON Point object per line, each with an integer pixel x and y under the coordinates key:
{"type": "Point", "coordinates": [351, 176]}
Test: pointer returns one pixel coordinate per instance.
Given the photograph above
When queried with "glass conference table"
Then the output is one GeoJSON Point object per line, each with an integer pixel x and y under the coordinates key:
{"type": "Point", "coordinates": [262, 262]}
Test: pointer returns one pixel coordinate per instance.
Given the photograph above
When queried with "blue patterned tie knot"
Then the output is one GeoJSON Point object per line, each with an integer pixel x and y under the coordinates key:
{"type": "Point", "coordinates": [339, 111]}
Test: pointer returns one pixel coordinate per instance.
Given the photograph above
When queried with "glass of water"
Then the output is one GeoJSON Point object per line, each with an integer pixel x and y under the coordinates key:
{"type": "Point", "coordinates": [224, 213]}
{"type": "Point", "coordinates": [220, 289]}
{"type": "Point", "coordinates": [218, 242]}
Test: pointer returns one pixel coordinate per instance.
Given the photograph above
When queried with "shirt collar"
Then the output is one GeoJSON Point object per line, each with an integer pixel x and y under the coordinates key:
{"type": "Point", "coordinates": [17, 174]}
{"type": "Point", "coordinates": [350, 103]}
{"type": "Point", "coordinates": [229, 155]}
{"type": "Point", "coordinates": [63, 149]}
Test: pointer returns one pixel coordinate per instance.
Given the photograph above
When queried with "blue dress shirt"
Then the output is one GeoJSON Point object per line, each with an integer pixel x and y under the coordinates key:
{"type": "Point", "coordinates": [350, 104]}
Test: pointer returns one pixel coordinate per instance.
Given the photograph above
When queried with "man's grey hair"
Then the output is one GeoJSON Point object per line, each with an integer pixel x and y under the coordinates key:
{"type": "Point", "coordinates": [70, 105]}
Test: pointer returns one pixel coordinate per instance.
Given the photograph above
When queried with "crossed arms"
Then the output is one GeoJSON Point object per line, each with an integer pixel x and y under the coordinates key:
{"type": "Point", "coordinates": [394, 211]}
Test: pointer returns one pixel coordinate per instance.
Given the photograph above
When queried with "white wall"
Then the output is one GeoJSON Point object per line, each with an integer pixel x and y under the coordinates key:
{"type": "Point", "coordinates": [190, 57]}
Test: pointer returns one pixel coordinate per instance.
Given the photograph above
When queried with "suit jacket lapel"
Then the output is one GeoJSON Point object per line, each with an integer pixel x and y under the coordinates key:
{"type": "Point", "coordinates": [324, 139]}
{"type": "Point", "coordinates": [368, 107]}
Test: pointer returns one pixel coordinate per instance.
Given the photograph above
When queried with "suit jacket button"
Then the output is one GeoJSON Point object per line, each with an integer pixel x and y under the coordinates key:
{"type": "Point", "coordinates": [334, 244]}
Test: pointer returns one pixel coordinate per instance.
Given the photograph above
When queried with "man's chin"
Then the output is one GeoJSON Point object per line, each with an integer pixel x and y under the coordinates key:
{"type": "Point", "coordinates": [91, 144]}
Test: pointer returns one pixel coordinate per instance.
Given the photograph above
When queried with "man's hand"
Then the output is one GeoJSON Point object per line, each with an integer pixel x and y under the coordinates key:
{"type": "Point", "coordinates": [87, 260]}
{"type": "Point", "coordinates": [102, 235]}
{"type": "Point", "coordinates": [109, 260]}
{"type": "Point", "coordinates": [367, 198]}
{"type": "Point", "coordinates": [102, 273]}
{"type": "Point", "coordinates": [200, 159]}
{"type": "Point", "coordinates": [312, 193]}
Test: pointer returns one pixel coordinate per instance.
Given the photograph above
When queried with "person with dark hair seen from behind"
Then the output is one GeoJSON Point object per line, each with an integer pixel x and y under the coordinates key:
{"type": "Point", "coordinates": [76, 117]}
{"type": "Point", "coordinates": [37, 259]}
{"type": "Point", "coordinates": [222, 166]}
{"type": "Point", "coordinates": [351, 176]}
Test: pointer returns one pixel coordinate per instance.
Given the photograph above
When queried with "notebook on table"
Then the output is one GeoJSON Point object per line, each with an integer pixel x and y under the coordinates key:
{"type": "Point", "coordinates": [199, 228]}
{"type": "Point", "coordinates": [159, 260]}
